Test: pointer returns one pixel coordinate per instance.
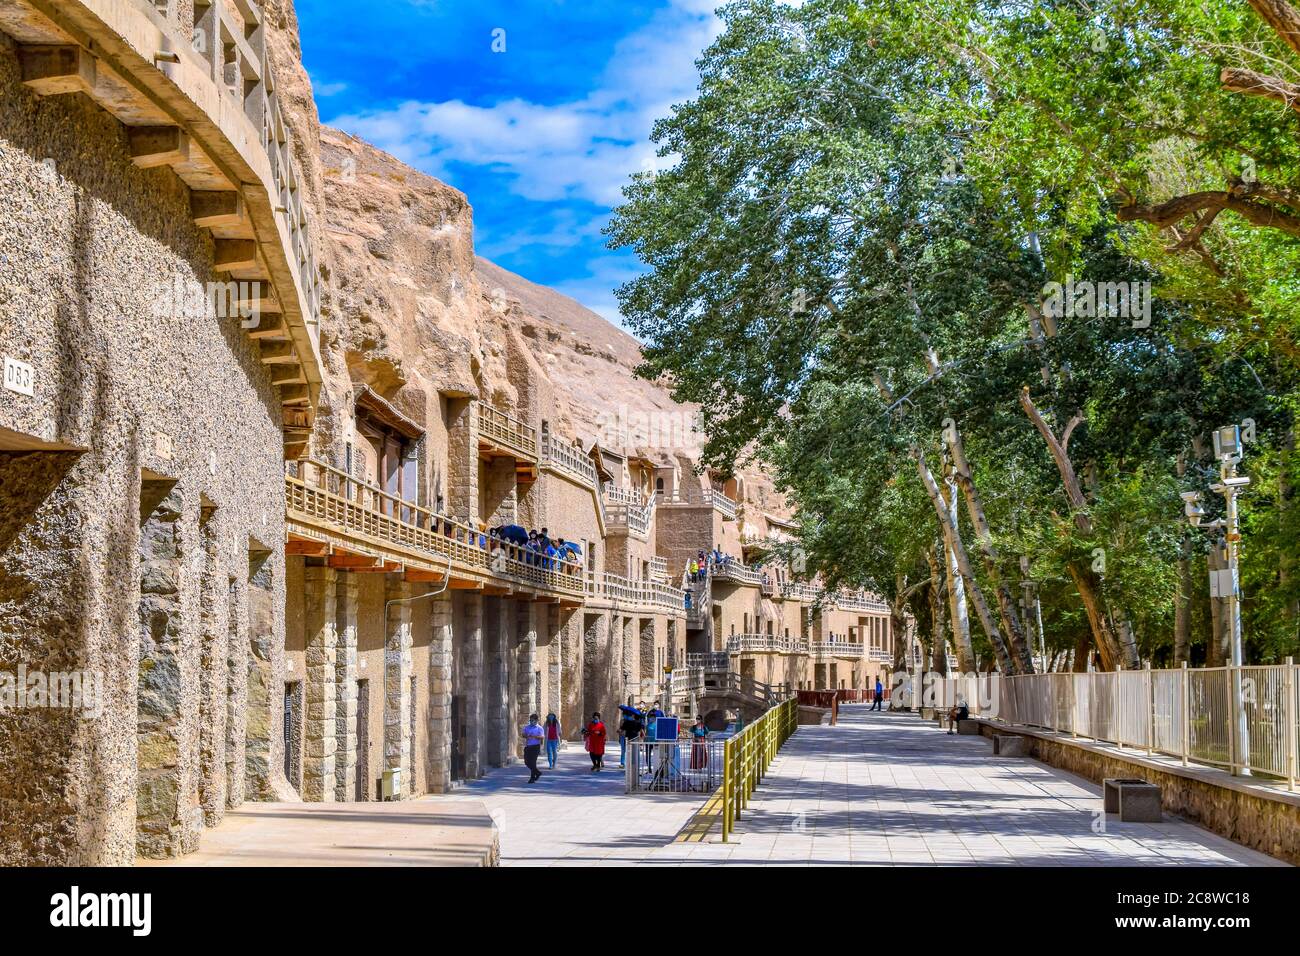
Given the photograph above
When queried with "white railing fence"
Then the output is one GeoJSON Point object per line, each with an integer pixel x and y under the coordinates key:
{"type": "Point", "coordinates": [1193, 714]}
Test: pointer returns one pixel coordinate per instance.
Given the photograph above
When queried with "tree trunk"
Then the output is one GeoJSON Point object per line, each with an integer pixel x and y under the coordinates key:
{"type": "Point", "coordinates": [1019, 648]}
{"type": "Point", "coordinates": [1082, 647]}
{"type": "Point", "coordinates": [1220, 627]}
{"type": "Point", "coordinates": [960, 566]}
{"type": "Point", "coordinates": [938, 624]}
{"type": "Point", "coordinates": [1114, 649]}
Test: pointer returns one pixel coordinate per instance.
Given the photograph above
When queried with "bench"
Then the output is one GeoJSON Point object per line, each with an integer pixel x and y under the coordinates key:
{"type": "Point", "coordinates": [968, 727]}
{"type": "Point", "coordinates": [1136, 801]}
{"type": "Point", "coordinates": [1009, 745]}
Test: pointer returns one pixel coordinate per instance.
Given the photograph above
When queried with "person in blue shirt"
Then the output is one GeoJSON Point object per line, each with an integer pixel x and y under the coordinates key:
{"type": "Point", "coordinates": [880, 693]}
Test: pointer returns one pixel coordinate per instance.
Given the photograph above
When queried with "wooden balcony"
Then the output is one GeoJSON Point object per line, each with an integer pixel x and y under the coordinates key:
{"type": "Point", "coordinates": [358, 526]}
{"type": "Point", "coordinates": [501, 434]}
{"type": "Point", "coordinates": [765, 644]}
{"type": "Point", "coordinates": [191, 84]}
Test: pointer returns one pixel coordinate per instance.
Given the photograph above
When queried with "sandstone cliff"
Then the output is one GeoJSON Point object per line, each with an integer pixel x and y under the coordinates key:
{"type": "Point", "coordinates": [411, 311]}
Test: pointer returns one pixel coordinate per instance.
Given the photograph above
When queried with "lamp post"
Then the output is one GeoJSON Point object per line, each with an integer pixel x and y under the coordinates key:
{"type": "Point", "coordinates": [1226, 583]}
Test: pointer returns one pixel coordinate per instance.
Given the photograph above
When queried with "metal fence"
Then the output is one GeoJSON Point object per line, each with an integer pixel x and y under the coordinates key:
{"type": "Point", "coordinates": [683, 765]}
{"type": "Point", "coordinates": [1199, 715]}
{"type": "Point", "coordinates": [748, 755]}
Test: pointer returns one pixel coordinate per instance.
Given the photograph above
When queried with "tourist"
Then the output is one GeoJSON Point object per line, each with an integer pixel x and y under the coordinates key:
{"type": "Point", "coordinates": [699, 745]}
{"type": "Point", "coordinates": [552, 740]}
{"type": "Point", "coordinates": [880, 693]}
{"type": "Point", "coordinates": [594, 740]}
{"type": "Point", "coordinates": [652, 714]}
{"type": "Point", "coordinates": [629, 728]}
{"type": "Point", "coordinates": [693, 571]}
{"type": "Point", "coordinates": [957, 712]}
{"type": "Point", "coordinates": [534, 733]}
{"type": "Point", "coordinates": [688, 600]}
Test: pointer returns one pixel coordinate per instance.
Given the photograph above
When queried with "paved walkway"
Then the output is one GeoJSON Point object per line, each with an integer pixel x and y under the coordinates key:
{"type": "Point", "coordinates": [573, 817]}
{"type": "Point", "coordinates": [885, 789]}
{"type": "Point", "coordinates": [879, 788]}
{"type": "Point", "coordinates": [406, 833]}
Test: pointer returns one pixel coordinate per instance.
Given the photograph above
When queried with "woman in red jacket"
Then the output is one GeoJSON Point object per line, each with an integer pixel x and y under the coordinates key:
{"type": "Point", "coordinates": [595, 734]}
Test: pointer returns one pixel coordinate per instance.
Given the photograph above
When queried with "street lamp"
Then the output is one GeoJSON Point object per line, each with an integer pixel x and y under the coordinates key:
{"type": "Point", "coordinates": [1226, 583]}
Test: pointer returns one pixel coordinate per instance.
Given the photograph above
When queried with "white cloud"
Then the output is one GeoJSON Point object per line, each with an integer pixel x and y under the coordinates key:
{"type": "Point", "coordinates": [584, 149]}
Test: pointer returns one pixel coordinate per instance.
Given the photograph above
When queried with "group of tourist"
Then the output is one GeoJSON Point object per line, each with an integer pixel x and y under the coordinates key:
{"type": "Point", "coordinates": [538, 546]}
{"type": "Point", "coordinates": [633, 727]}
{"type": "Point", "coordinates": [699, 567]}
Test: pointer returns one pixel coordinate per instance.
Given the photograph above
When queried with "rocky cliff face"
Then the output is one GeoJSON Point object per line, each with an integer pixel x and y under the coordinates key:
{"type": "Point", "coordinates": [411, 311]}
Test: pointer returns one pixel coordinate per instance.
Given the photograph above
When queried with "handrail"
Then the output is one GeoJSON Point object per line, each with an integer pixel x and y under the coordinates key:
{"type": "Point", "coordinates": [838, 648]}
{"type": "Point", "coordinates": [322, 493]}
{"type": "Point", "coordinates": [748, 754]}
{"type": "Point", "coordinates": [640, 593]}
{"type": "Point", "coordinates": [503, 427]}
{"type": "Point", "coordinates": [740, 643]}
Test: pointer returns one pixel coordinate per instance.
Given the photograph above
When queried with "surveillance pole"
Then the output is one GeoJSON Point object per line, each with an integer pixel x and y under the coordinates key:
{"type": "Point", "coordinates": [1227, 448]}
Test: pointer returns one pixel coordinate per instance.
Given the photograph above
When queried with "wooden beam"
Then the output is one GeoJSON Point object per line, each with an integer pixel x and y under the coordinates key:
{"type": "Point", "coordinates": [294, 395]}
{"type": "Point", "coordinates": [229, 254]}
{"type": "Point", "coordinates": [157, 145]}
{"type": "Point", "coordinates": [270, 325]}
{"type": "Point", "coordinates": [423, 576]}
{"type": "Point", "coordinates": [314, 549]}
{"type": "Point", "coordinates": [54, 69]}
{"type": "Point", "coordinates": [351, 562]}
{"type": "Point", "coordinates": [278, 353]}
{"type": "Point", "coordinates": [217, 208]}
{"type": "Point", "coordinates": [294, 451]}
{"type": "Point", "coordinates": [286, 374]}
{"type": "Point", "coordinates": [461, 584]}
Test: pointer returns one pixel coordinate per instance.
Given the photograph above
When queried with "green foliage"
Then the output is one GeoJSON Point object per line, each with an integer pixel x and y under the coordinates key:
{"type": "Point", "coordinates": [862, 189]}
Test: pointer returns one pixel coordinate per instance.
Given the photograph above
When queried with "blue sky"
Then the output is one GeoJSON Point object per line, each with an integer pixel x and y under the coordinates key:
{"type": "Point", "coordinates": [540, 137]}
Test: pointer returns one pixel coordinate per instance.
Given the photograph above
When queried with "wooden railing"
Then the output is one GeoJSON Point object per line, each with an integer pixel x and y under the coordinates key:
{"type": "Point", "coordinates": [318, 493]}
{"type": "Point", "coordinates": [735, 571]}
{"type": "Point", "coordinates": [568, 458]}
{"type": "Point", "coordinates": [506, 430]}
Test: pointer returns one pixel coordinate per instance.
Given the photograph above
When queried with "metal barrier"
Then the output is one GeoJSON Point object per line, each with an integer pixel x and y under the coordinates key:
{"type": "Point", "coordinates": [1189, 713]}
{"type": "Point", "coordinates": [747, 756]}
{"type": "Point", "coordinates": [684, 765]}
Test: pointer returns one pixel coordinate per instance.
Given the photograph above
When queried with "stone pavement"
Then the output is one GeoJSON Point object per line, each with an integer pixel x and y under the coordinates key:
{"type": "Point", "coordinates": [885, 789]}
{"type": "Point", "coordinates": [407, 833]}
{"type": "Point", "coordinates": [879, 788]}
{"type": "Point", "coordinates": [573, 817]}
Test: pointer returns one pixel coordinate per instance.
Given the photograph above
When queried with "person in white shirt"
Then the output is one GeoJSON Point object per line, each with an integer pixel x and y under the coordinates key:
{"type": "Point", "coordinates": [534, 733]}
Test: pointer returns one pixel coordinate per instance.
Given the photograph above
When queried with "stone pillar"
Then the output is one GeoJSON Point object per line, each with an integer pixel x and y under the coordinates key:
{"type": "Point", "coordinates": [237, 693]}
{"type": "Point", "coordinates": [462, 461]}
{"type": "Point", "coordinates": [554, 662]}
{"type": "Point", "coordinates": [320, 718]}
{"type": "Point", "coordinates": [471, 669]}
{"type": "Point", "coordinates": [526, 701]}
{"type": "Point", "coordinates": [440, 683]}
{"type": "Point", "coordinates": [573, 644]}
{"type": "Point", "coordinates": [397, 683]}
{"type": "Point", "coordinates": [497, 690]}
{"type": "Point", "coordinates": [169, 818]}
{"type": "Point", "coordinates": [502, 492]}
{"type": "Point", "coordinates": [345, 699]}
{"type": "Point", "coordinates": [264, 713]}
{"type": "Point", "coordinates": [214, 608]}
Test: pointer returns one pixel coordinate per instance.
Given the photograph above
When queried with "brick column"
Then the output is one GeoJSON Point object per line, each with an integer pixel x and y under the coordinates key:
{"type": "Point", "coordinates": [462, 461]}
{"type": "Point", "coordinates": [471, 669]}
{"type": "Point", "coordinates": [397, 683]}
{"type": "Point", "coordinates": [440, 682]}
{"type": "Point", "coordinates": [497, 689]}
{"type": "Point", "coordinates": [345, 710]}
{"type": "Point", "coordinates": [319, 719]}
{"type": "Point", "coordinates": [555, 662]}
{"type": "Point", "coordinates": [526, 701]}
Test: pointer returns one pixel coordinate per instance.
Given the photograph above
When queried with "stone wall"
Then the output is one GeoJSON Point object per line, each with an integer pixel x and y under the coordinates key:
{"type": "Point", "coordinates": [91, 245]}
